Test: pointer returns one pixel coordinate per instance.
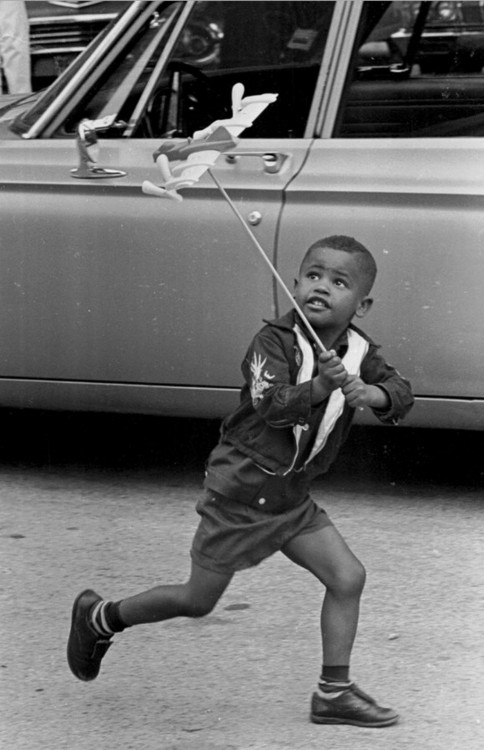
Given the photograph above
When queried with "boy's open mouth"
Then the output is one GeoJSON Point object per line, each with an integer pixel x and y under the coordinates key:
{"type": "Point", "coordinates": [318, 303]}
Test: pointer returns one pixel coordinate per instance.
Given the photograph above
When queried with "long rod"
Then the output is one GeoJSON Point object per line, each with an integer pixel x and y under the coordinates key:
{"type": "Point", "coordinates": [268, 261]}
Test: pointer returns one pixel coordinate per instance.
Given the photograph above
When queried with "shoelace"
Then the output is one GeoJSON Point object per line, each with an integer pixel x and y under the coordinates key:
{"type": "Point", "coordinates": [353, 687]}
{"type": "Point", "coordinates": [361, 694]}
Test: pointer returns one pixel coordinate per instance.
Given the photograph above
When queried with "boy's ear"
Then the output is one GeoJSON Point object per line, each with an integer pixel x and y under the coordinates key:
{"type": "Point", "coordinates": [295, 285]}
{"type": "Point", "coordinates": [364, 307]}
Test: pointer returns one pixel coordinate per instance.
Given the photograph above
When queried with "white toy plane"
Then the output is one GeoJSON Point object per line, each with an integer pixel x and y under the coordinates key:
{"type": "Point", "coordinates": [196, 155]}
{"type": "Point", "coordinates": [199, 153]}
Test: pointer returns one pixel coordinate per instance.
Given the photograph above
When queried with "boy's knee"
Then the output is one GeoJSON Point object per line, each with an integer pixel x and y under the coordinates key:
{"type": "Point", "coordinates": [351, 582]}
{"type": "Point", "coordinates": [198, 609]}
{"type": "Point", "coordinates": [360, 577]}
{"type": "Point", "coordinates": [197, 605]}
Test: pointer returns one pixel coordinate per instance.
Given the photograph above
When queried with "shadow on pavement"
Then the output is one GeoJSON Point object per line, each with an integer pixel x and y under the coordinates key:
{"type": "Point", "coordinates": [133, 442]}
{"type": "Point", "coordinates": [152, 444]}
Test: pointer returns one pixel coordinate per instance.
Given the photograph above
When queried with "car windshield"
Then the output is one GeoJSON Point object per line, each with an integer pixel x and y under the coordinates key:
{"type": "Point", "coordinates": [114, 62]}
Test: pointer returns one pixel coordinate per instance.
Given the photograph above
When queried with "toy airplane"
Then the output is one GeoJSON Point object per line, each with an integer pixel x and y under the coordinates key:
{"type": "Point", "coordinates": [196, 155]}
{"type": "Point", "coordinates": [199, 153]}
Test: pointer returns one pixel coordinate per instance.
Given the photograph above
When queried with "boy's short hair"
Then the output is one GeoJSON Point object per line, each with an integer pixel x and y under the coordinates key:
{"type": "Point", "coordinates": [349, 245]}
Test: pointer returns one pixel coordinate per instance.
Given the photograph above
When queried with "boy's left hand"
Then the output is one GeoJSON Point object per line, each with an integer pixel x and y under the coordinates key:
{"type": "Point", "coordinates": [358, 393]}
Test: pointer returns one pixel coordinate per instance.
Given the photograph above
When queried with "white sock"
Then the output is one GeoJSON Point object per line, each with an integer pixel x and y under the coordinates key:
{"type": "Point", "coordinates": [98, 620]}
{"type": "Point", "coordinates": [331, 690]}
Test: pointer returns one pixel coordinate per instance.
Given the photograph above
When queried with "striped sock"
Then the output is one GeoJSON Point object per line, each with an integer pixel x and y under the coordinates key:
{"type": "Point", "coordinates": [99, 621]}
{"type": "Point", "coordinates": [331, 690]}
{"type": "Point", "coordinates": [335, 673]}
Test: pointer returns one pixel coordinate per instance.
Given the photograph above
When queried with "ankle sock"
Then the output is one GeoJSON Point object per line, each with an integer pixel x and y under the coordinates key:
{"type": "Point", "coordinates": [338, 673]}
{"type": "Point", "coordinates": [331, 690]}
{"type": "Point", "coordinates": [106, 620]}
{"type": "Point", "coordinates": [334, 680]}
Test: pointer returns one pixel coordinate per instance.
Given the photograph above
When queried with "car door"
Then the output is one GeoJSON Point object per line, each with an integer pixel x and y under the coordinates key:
{"type": "Point", "coordinates": [401, 170]}
{"type": "Point", "coordinates": [109, 290]}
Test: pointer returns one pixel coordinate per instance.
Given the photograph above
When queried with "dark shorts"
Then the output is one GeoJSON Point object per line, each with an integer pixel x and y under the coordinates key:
{"type": "Point", "coordinates": [233, 536]}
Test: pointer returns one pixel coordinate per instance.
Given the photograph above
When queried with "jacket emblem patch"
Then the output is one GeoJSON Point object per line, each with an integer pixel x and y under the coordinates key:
{"type": "Point", "coordinates": [260, 378]}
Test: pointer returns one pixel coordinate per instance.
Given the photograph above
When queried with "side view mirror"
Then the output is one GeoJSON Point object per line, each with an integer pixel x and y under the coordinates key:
{"type": "Point", "coordinates": [88, 149]}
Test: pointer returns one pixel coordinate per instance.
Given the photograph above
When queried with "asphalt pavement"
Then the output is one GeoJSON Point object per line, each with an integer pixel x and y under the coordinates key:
{"type": "Point", "coordinates": [108, 502]}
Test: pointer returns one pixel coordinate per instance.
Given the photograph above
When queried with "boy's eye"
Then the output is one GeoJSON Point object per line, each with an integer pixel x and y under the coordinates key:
{"type": "Point", "coordinates": [340, 282]}
{"type": "Point", "coordinates": [313, 276]}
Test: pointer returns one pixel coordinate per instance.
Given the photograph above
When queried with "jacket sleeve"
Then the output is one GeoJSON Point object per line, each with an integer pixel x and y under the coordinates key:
{"type": "Point", "coordinates": [267, 373]}
{"type": "Point", "coordinates": [376, 371]}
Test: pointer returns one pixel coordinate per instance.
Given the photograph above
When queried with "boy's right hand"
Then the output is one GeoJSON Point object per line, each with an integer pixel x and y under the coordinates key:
{"type": "Point", "coordinates": [331, 375]}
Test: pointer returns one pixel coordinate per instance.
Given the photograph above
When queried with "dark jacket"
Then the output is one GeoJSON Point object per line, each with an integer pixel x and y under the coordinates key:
{"type": "Point", "coordinates": [275, 424]}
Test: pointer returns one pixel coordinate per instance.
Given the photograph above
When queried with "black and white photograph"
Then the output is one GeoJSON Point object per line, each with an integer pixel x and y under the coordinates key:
{"type": "Point", "coordinates": [242, 374]}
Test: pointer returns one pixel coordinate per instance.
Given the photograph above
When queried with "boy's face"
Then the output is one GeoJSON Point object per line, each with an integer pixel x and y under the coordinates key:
{"type": "Point", "coordinates": [331, 290]}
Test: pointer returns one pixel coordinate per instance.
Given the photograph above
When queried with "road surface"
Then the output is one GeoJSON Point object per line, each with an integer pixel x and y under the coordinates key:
{"type": "Point", "coordinates": [109, 503]}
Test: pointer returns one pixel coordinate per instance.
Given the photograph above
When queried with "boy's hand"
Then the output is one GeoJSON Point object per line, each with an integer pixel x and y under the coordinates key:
{"type": "Point", "coordinates": [331, 375]}
{"type": "Point", "coordinates": [358, 394]}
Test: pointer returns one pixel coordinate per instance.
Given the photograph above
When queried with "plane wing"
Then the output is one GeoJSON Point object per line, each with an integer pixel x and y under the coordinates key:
{"type": "Point", "coordinates": [196, 155]}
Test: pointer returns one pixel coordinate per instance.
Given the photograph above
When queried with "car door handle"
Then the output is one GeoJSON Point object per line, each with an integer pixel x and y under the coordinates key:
{"type": "Point", "coordinates": [273, 160]}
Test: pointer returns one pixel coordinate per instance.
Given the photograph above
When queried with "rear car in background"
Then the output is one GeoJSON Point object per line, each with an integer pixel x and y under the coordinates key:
{"type": "Point", "coordinates": [60, 30]}
{"type": "Point", "coordinates": [111, 300]}
{"type": "Point", "coordinates": [452, 38]}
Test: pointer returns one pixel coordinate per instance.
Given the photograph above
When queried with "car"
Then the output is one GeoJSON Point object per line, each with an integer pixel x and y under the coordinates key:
{"type": "Point", "coordinates": [113, 300]}
{"type": "Point", "coordinates": [452, 39]}
{"type": "Point", "coordinates": [60, 30]}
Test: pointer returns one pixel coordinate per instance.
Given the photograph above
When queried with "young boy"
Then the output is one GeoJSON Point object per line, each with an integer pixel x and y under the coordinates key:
{"type": "Point", "coordinates": [295, 412]}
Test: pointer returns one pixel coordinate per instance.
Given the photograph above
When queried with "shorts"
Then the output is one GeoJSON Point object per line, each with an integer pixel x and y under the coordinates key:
{"type": "Point", "coordinates": [232, 536]}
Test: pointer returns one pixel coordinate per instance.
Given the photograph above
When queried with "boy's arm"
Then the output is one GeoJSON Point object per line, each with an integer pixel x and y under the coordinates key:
{"type": "Point", "coordinates": [331, 375]}
{"type": "Point", "coordinates": [267, 372]}
{"type": "Point", "coordinates": [381, 388]}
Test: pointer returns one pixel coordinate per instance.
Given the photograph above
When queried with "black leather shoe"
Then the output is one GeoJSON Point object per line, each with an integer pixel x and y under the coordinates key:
{"type": "Point", "coordinates": [85, 647]}
{"type": "Point", "coordinates": [351, 706]}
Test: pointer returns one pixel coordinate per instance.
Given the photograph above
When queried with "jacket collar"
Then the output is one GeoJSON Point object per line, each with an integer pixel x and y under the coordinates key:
{"type": "Point", "coordinates": [288, 320]}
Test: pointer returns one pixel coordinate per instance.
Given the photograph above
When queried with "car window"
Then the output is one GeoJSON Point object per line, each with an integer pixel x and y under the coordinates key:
{"type": "Point", "coordinates": [268, 46]}
{"type": "Point", "coordinates": [417, 72]}
{"type": "Point", "coordinates": [116, 89]}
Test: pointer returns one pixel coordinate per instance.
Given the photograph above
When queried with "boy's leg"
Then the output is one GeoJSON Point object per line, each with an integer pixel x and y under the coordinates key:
{"type": "Point", "coordinates": [326, 554]}
{"type": "Point", "coordinates": [195, 598]}
{"type": "Point", "coordinates": [94, 620]}
{"type": "Point", "coordinates": [338, 701]}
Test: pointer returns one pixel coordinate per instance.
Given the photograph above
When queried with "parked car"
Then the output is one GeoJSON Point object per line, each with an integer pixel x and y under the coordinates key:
{"type": "Point", "coordinates": [116, 301]}
{"type": "Point", "coordinates": [453, 36]}
{"type": "Point", "coordinates": [61, 29]}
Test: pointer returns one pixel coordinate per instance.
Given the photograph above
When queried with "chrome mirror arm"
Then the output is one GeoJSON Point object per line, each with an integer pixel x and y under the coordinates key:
{"type": "Point", "coordinates": [88, 149]}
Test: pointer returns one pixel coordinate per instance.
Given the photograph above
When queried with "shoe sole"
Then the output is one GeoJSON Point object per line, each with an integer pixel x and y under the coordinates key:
{"type": "Point", "coordinates": [354, 722]}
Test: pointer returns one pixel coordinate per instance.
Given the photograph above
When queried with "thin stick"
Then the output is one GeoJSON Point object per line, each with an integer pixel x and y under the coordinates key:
{"type": "Point", "coordinates": [268, 261]}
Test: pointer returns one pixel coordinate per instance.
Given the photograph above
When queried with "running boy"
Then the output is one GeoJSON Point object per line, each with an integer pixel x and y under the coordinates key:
{"type": "Point", "coordinates": [295, 412]}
